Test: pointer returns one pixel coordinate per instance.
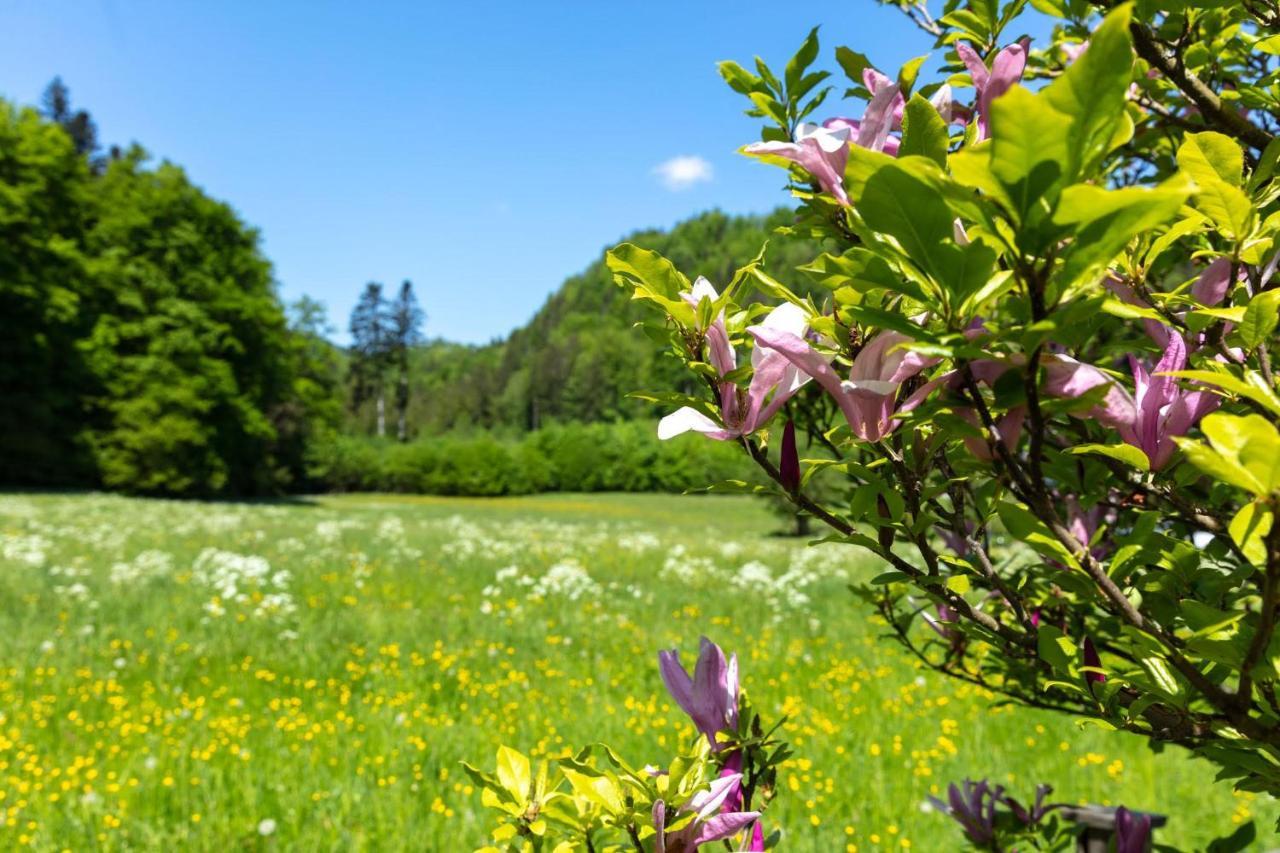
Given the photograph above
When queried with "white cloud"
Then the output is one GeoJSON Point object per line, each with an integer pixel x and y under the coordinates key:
{"type": "Point", "coordinates": [680, 173]}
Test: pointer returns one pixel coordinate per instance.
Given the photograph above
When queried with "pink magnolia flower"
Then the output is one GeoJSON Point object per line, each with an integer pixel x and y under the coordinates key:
{"type": "Point", "coordinates": [708, 824]}
{"type": "Point", "coordinates": [1209, 289]}
{"type": "Point", "coordinates": [710, 696]}
{"type": "Point", "coordinates": [868, 398]}
{"type": "Point", "coordinates": [773, 375]}
{"type": "Point", "coordinates": [1066, 377]}
{"type": "Point", "coordinates": [1162, 409]}
{"type": "Point", "coordinates": [1083, 524]}
{"type": "Point", "coordinates": [882, 116]}
{"type": "Point", "coordinates": [822, 152]}
{"type": "Point", "coordinates": [1006, 69]}
{"type": "Point", "coordinates": [1008, 425]}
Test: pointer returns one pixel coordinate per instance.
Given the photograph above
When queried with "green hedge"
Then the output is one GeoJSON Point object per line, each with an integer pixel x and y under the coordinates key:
{"type": "Point", "coordinates": [601, 457]}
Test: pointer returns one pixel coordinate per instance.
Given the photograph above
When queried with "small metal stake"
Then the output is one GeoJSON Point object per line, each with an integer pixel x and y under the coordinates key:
{"type": "Point", "coordinates": [1099, 824]}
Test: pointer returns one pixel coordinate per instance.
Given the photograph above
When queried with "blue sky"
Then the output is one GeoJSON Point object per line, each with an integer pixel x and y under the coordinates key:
{"type": "Point", "coordinates": [484, 150]}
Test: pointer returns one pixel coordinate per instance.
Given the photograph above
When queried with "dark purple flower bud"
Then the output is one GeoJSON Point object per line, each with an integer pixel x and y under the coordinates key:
{"type": "Point", "coordinates": [1032, 816]}
{"type": "Point", "coordinates": [1091, 659]}
{"type": "Point", "coordinates": [1133, 831]}
{"type": "Point", "coordinates": [789, 466]}
{"type": "Point", "coordinates": [973, 806]}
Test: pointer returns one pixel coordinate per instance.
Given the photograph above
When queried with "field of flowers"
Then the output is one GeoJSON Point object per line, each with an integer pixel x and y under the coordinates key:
{"type": "Point", "coordinates": [309, 674]}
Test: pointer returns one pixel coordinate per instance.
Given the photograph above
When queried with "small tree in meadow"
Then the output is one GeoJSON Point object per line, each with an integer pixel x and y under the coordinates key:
{"type": "Point", "coordinates": [1049, 300]}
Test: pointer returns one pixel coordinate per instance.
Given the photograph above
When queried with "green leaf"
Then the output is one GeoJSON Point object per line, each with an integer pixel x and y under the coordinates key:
{"type": "Point", "coordinates": [740, 79]}
{"type": "Point", "coordinates": [1025, 527]}
{"type": "Point", "coordinates": [1055, 648]}
{"type": "Point", "coordinates": [852, 63]}
{"type": "Point", "coordinates": [1212, 156]}
{"type": "Point", "coordinates": [906, 199]}
{"type": "Point", "coordinates": [1251, 386]}
{"type": "Point", "coordinates": [770, 107]}
{"type": "Point", "coordinates": [924, 133]}
{"type": "Point", "coordinates": [601, 789]}
{"type": "Point", "coordinates": [1204, 620]}
{"type": "Point", "coordinates": [1125, 453]}
{"type": "Point", "coordinates": [803, 58]}
{"type": "Point", "coordinates": [1106, 220]}
{"type": "Point", "coordinates": [514, 773]}
{"type": "Point", "coordinates": [1249, 529]}
{"type": "Point", "coordinates": [1158, 669]}
{"type": "Point", "coordinates": [1029, 147]}
{"type": "Point", "coordinates": [1215, 162]}
{"type": "Point", "coordinates": [652, 276]}
{"type": "Point", "coordinates": [898, 203]}
{"type": "Point", "coordinates": [958, 584]}
{"type": "Point", "coordinates": [909, 72]}
{"type": "Point", "coordinates": [1245, 452]}
{"type": "Point", "coordinates": [1260, 318]}
{"type": "Point", "coordinates": [1093, 92]}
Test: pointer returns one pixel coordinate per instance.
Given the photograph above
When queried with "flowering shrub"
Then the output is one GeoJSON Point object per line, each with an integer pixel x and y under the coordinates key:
{"type": "Point", "coordinates": [717, 790]}
{"type": "Point", "coordinates": [1035, 366]}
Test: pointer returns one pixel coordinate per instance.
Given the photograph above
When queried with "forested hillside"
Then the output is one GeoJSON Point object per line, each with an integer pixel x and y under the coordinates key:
{"type": "Point", "coordinates": [580, 355]}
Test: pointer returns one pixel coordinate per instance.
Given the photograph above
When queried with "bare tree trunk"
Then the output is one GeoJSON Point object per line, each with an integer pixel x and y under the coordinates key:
{"type": "Point", "coordinates": [382, 414]}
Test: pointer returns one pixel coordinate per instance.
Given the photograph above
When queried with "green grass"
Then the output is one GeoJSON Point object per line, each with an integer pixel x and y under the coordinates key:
{"type": "Point", "coordinates": [141, 710]}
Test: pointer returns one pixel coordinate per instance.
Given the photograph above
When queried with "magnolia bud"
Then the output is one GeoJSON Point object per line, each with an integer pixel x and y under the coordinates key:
{"type": "Point", "coordinates": [789, 465]}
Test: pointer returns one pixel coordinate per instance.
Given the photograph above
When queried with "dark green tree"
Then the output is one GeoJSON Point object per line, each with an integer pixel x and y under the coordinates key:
{"type": "Point", "coordinates": [406, 332]}
{"type": "Point", "coordinates": [189, 342]}
{"type": "Point", "coordinates": [79, 125]}
{"type": "Point", "coordinates": [370, 329]}
{"type": "Point", "coordinates": [46, 297]}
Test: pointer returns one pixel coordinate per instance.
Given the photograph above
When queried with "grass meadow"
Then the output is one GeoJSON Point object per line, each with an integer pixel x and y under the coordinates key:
{"type": "Point", "coordinates": [307, 675]}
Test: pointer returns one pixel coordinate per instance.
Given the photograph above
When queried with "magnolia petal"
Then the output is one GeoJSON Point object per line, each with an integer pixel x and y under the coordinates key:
{"type": "Point", "coordinates": [687, 419]}
{"type": "Point", "coordinates": [942, 101]}
{"type": "Point", "coordinates": [1212, 285]}
{"type": "Point", "coordinates": [873, 386]}
{"type": "Point", "coordinates": [702, 289]}
{"type": "Point", "coordinates": [676, 679]}
{"type": "Point", "coordinates": [707, 803]}
{"type": "Point", "coordinates": [974, 64]}
{"type": "Point", "coordinates": [878, 119]}
{"type": "Point", "coordinates": [1066, 377]}
{"type": "Point", "coordinates": [714, 698]}
{"type": "Point", "coordinates": [660, 824]}
{"type": "Point", "coordinates": [724, 826]}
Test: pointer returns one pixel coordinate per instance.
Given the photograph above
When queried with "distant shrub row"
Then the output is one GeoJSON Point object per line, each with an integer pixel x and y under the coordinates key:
{"type": "Point", "coordinates": [625, 457]}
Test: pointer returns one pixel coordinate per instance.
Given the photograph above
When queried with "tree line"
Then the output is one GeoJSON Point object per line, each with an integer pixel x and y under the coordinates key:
{"type": "Point", "coordinates": [144, 345]}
